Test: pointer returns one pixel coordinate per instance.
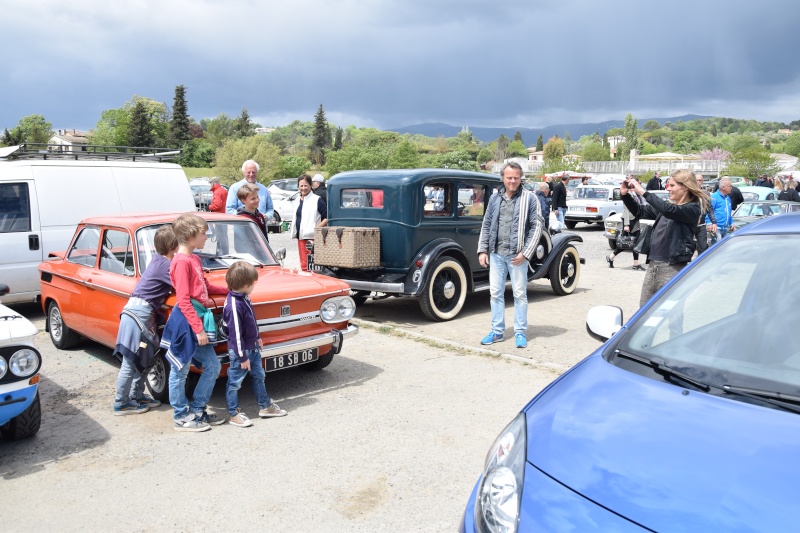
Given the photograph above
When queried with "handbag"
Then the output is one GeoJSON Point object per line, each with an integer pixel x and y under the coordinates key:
{"type": "Point", "coordinates": [643, 244]}
{"type": "Point", "coordinates": [626, 241]}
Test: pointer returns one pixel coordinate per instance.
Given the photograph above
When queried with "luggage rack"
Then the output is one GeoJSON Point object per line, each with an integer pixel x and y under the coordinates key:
{"type": "Point", "coordinates": [88, 152]}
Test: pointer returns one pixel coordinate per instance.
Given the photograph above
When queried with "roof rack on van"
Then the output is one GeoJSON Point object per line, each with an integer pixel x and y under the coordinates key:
{"type": "Point", "coordinates": [88, 152]}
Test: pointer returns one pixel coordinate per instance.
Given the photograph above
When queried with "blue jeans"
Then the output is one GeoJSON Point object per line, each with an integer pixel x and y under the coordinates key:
{"type": "Point", "coordinates": [130, 385]}
{"type": "Point", "coordinates": [500, 268]}
{"type": "Point", "coordinates": [562, 211]}
{"type": "Point", "coordinates": [206, 357]}
{"type": "Point", "coordinates": [719, 235]}
{"type": "Point", "coordinates": [236, 375]}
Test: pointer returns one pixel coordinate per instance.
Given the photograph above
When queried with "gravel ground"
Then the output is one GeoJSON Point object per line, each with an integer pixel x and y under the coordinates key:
{"type": "Point", "coordinates": [390, 437]}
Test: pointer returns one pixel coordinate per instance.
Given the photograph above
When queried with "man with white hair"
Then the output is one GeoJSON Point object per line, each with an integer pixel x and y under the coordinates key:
{"type": "Point", "coordinates": [318, 186]}
{"type": "Point", "coordinates": [249, 171]}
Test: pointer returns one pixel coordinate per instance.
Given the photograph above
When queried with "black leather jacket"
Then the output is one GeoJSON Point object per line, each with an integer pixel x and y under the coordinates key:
{"type": "Point", "coordinates": [681, 221]}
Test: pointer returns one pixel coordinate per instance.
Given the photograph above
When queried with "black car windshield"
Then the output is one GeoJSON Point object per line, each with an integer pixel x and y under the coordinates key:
{"type": "Point", "coordinates": [729, 321]}
{"type": "Point", "coordinates": [228, 242]}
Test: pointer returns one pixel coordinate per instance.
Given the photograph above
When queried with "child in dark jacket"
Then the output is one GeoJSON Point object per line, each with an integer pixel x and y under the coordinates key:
{"type": "Point", "coordinates": [144, 304]}
{"type": "Point", "coordinates": [244, 345]}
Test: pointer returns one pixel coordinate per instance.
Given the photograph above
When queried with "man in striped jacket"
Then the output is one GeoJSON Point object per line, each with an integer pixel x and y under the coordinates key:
{"type": "Point", "coordinates": [511, 230]}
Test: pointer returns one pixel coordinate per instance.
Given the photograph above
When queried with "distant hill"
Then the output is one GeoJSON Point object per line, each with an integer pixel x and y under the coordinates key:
{"type": "Point", "coordinates": [529, 135]}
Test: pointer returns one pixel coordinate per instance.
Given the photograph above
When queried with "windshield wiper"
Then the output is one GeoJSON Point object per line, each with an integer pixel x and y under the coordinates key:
{"type": "Point", "coordinates": [661, 367]}
{"type": "Point", "coordinates": [241, 258]}
{"type": "Point", "coordinates": [775, 398]}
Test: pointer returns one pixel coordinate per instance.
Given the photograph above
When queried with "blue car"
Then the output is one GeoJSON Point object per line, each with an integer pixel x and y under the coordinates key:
{"type": "Point", "coordinates": [686, 419]}
{"type": "Point", "coordinates": [20, 361]}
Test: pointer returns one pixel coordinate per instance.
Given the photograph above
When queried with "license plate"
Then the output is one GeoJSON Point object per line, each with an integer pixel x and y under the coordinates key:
{"type": "Point", "coordinates": [279, 362]}
{"type": "Point", "coordinates": [311, 265]}
{"type": "Point", "coordinates": [576, 209]}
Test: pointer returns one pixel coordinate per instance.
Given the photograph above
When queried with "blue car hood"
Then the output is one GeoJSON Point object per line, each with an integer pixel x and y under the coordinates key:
{"type": "Point", "coordinates": [664, 457]}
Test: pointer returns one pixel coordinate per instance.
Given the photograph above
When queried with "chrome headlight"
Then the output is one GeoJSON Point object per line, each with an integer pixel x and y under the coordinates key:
{"type": "Point", "coordinates": [498, 500]}
{"type": "Point", "coordinates": [337, 309]}
{"type": "Point", "coordinates": [3, 367]}
{"type": "Point", "coordinates": [24, 362]}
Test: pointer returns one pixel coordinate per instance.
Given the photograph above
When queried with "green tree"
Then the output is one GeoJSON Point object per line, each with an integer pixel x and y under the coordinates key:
{"type": "Point", "coordinates": [554, 150]}
{"type": "Point", "coordinates": [539, 144]}
{"type": "Point", "coordinates": [354, 157]}
{"type": "Point", "coordinates": [650, 125]}
{"type": "Point", "coordinates": [234, 152]}
{"type": "Point", "coordinates": [791, 146]}
{"type": "Point", "coordinates": [113, 128]}
{"type": "Point", "coordinates": [752, 163]}
{"type": "Point", "coordinates": [244, 126]}
{"type": "Point", "coordinates": [11, 138]}
{"type": "Point", "coordinates": [322, 136]}
{"type": "Point", "coordinates": [34, 129]}
{"type": "Point", "coordinates": [291, 166]}
{"type": "Point", "coordinates": [219, 129]}
{"type": "Point", "coordinates": [337, 140]}
{"type": "Point", "coordinates": [179, 127]}
{"type": "Point", "coordinates": [561, 165]}
{"type": "Point", "coordinates": [518, 137]}
{"type": "Point", "coordinates": [140, 130]}
{"type": "Point", "coordinates": [405, 155]}
{"type": "Point", "coordinates": [595, 152]}
{"type": "Point", "coordinates": [684, 141]}
{"type": "Point", "coordinates": [632, 140]}
{"type": "Point", "coordinates": [517, 149]}
{"type": "Point", "coordinates": [484, 155]}
{"type": "Point", "coordinates": [458, 159]}
{"type": "Point", "coordinates": [197, 153]}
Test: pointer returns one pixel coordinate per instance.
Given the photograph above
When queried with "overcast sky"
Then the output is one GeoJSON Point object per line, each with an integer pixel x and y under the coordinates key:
{"type": "Point", "coordinates": [392, 63]}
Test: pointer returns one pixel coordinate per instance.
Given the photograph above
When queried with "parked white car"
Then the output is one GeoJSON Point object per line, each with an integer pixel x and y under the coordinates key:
{"type": "Point", "coordinates": [592, 204]}
{"type": "Point", "coordinates": [285, 208]}
{"type": "Point", "coordinates": [613, 224]}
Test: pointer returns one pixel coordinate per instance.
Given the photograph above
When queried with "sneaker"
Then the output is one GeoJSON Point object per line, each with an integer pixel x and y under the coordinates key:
{"type": "Point", "coordinates": [522, 342]}
{"type": "Point", "coordinates": [638, 267]}
{"type": "Point", "coordinates": [609, 261]}
{"type": "Point", "coordinates": [491, 338]}
{"type": "Point", "coordinates": [149, 401]}
{"type": "Point", "coordinates": [212, 419]}
{"type": "Point", "coordinates": [240, 420]}
{"type": "Point", "coordinates": [272, 411]}
{"type": "Point", "coordinates": [130, 408]}
{"type": "Point", "coordinates": [194, 425]}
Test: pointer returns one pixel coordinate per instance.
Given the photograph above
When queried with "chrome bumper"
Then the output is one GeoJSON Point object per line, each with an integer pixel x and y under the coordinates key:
{"type": "Point", "coordinates": [334, 337]}
{"type": "Point", "coordinates": [388, 288]}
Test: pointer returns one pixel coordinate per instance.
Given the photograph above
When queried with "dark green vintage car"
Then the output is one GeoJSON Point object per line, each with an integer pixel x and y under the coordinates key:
{"type": "Point", "coordinates": [430, 222]}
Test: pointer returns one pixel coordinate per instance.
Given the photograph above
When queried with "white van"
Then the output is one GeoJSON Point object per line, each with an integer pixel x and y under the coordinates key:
{"type": "Point", "coordinates": [42, 199]}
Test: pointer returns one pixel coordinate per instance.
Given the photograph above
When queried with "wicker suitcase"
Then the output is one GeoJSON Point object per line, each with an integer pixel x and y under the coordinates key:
{"type": "Point", "coordinates": [347, 247]}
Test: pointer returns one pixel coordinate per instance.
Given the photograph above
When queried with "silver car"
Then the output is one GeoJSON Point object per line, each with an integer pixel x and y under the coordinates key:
{"type": "Point", "coordinates": [592, 204]}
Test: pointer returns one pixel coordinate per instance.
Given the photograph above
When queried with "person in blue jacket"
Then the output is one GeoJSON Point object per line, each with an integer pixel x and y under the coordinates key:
{"type": "Point", "coordinates": [723, 209]}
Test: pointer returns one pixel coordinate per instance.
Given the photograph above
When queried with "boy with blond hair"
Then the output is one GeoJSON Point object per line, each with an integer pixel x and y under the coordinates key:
{"type": "Point", "coordinates": [244, 345]}
{"type": "Point", "coordinates": [185, 338]}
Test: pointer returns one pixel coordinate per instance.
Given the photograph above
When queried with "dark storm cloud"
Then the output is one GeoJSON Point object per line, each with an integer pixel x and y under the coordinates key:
{"type": "Point", "coordinates": [369, 62]}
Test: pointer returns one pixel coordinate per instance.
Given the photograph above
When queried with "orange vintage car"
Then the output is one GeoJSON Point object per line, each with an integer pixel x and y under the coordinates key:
{"type": "Point", "coordinates": [303, 317]}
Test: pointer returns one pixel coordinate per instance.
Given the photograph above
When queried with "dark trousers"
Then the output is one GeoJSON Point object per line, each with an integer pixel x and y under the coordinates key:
{"type": "Point", "coordinates": [701, 236]}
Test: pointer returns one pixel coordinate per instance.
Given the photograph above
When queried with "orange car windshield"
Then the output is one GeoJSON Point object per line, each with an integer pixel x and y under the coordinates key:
{"type": "Point", "coordinates": [228, 242]}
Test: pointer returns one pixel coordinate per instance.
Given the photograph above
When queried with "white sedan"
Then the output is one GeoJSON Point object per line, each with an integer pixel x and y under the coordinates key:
{"type": "Point", "coordinates": [285, 208]}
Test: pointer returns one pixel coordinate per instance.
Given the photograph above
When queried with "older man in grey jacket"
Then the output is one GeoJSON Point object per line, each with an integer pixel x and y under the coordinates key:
{"type": "Point", "coordinates": [511, 230]}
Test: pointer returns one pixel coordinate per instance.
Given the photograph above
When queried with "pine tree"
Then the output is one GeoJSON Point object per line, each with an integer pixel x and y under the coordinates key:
{"type": "Point", "coordinates": [244, 127]}
{"type": "Point", "coordinates": [322, 136]}
{"type": "Point", "coordinates": [518, 137]}
{"type": "Point", "coordinates": [140, 131]}
{"type": "Point", "coordinates": [179, 127]}
{"type": "Point", "coordinates": [539, 144]}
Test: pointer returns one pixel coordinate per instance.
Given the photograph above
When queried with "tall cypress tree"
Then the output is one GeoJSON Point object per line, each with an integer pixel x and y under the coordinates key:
{"type": "Point", "coordinates": [322, 136]}
{"type": "Point", "coordinates": [518, 136]}
{"type": "Point", "coordinates": [539, 144]}
{"type": "Point", "coordinates": [140, 131]}
{"type": "Point", "coordinates": [179, 127]}
{"type": "Point", "coordinates": [244, 127]}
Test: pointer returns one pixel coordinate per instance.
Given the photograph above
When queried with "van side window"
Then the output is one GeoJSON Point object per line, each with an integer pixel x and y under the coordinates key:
{"type": "Point", "coordinates": [116, 254]}
{"type": "Point", "coordinates": [438, 200]}
{"type": "Point", "coordinates": [15, 208]}
{"type": "Point", "coordinates": [84, 251]}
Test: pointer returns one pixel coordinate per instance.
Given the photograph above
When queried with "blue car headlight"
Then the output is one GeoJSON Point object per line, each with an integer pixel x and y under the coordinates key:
{"type": "Point", "coordinates": [500, 491]}
{"type": "Point", "coordinates": [3, 367]}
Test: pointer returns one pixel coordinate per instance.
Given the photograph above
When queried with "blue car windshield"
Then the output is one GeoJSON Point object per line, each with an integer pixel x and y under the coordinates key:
{"type": "Point", "coordinates": [730, 320]}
